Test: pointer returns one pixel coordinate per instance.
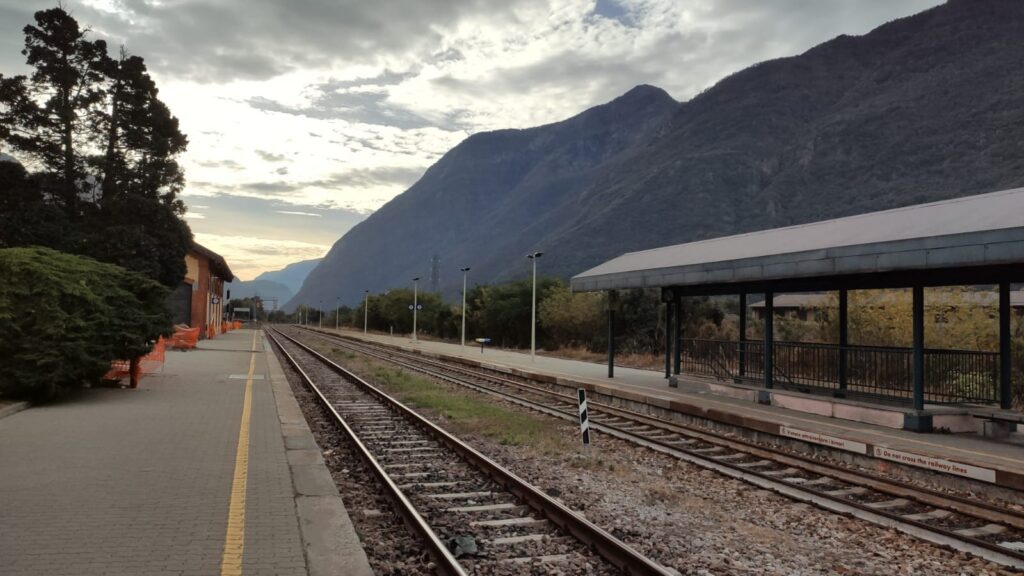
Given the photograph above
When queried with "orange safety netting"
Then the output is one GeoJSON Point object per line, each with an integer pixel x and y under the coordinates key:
{"type": "Point", "coordinates": [147, 364]}
{"type": "Point", "coordinates": [185, 338]}
{"type": "Point", "coordinates": [211, 331]}
{"type": "Point", "coordinates": [224, 327]}
{"type": "Point", "coordinates": [236, 325]}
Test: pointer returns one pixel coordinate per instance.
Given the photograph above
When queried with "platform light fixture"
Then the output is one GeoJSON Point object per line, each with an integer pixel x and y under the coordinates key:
{"type": "Point", "coordinates": [366, 310]}
{"type": "Point", "coordinates": [533, 307]}
{"type": "Point", "coordinates": [337, 313]}
{"type": "Point", "coordinates": [464, 271]}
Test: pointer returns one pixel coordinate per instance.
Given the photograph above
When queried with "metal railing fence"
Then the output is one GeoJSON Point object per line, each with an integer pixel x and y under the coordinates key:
{"type": "Point", "coordinates": [950, 376]}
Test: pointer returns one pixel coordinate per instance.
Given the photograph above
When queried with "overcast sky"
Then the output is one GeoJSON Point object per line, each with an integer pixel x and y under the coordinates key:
{"type": "Point", "coordinates": [304, 116]}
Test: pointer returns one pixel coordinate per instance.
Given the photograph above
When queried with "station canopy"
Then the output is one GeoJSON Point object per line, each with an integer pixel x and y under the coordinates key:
{"type": "Point", "coordinates": [970, 240]}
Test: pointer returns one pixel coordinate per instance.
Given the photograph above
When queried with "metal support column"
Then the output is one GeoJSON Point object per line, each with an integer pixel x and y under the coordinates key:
{"type": "Point", "coordinates": [844, 336]}
{"type": "Point", "coordinates": [1005, 359]}
{"type": "Point", "coordinates": [769, 339]}
{"type": "Point", "coordinates": [668, 339]}
{"type": "Point", "coordinates": [677, 343]}
{"type": "Point", "coordinates": [743, 335]}
{"type": "Point", "coordinates": [611, 343]}
{"type": "Point", "coordinates": [918, 347]}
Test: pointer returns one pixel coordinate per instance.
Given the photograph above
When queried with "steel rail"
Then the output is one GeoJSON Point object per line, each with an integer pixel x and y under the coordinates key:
{"type": "Point", "coordinates": [446, 564]}
{"type": "Point", "coordinates": [976, 546]}
{"type": "Point", "coordinates": [616, 552]}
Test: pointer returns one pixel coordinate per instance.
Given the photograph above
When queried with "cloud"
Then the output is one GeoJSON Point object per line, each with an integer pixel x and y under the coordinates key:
{"type": "Point", "coordinates": [248, 256]}
{"type": "Point", "coordinates": [358, 178]}
{"type": "Point", "coordinates": [227, 164]}
{"type": "Point", "coordinates": [294, 213]}
{"type": "Point", "coordinates": [217, 41]}
{"type": "Point", "coordinates": [333, 107]}
{"type": "Point", "coordinates": [270, 156]}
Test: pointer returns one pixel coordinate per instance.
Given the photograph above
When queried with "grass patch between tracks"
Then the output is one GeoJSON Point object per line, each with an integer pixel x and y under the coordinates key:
{"type": "Point", "coordinates": [468, 412]}
{"type": "Point", "coordinates": [460, 411]}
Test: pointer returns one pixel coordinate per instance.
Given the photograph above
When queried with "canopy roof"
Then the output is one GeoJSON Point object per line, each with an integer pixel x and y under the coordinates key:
{"type": "Point", "coordinates": [964, 240]}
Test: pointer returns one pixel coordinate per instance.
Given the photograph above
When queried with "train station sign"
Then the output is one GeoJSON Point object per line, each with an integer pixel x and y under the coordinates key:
{"type": "Point", "coordinates": [824, 440]}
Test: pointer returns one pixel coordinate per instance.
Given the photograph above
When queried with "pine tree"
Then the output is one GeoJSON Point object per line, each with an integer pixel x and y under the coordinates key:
{"type": "Point", "coordinates": [52, 114]}
{"type": "Point", "coordinates": [105, 149]}
{"type": "Point", "coordinates": [138, 223]}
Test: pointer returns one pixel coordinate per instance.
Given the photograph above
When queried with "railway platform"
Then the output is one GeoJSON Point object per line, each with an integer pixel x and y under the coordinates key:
{"type": "Point", "coordinates": [207, 468]}
{"type": "Point", "coordinates": [969, 457]}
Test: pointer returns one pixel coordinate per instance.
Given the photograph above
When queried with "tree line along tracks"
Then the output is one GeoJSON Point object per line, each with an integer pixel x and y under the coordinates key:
{"type": "Point", "coordinates": [472, 515]}
{"type": "Point", "coordinates": [964, 524]}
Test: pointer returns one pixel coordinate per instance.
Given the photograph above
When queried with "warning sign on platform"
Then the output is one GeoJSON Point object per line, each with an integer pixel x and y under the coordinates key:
{"type": "Point", "coordinates": [824, 440]}
{"type": "Point", "coordinates": [936, 464]}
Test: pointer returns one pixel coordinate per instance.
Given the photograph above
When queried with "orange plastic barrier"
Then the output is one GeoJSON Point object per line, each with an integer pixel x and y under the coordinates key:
{"type": "Point", "coordinates": [224, 327]}
{"type": "Point", "coordinates": [148, 364]}
{"type": "Point", "coordinates": [211, 331]}
{"type": "Point", "coordinates": [185, 338]}
{"type": "Point", "coordinates": [236, 325]}
{"type": "Point", "coordinates": [153, 361]}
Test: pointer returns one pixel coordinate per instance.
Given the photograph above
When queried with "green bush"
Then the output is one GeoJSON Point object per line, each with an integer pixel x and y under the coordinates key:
{"type": "Point", "coordinates": [64, 318]}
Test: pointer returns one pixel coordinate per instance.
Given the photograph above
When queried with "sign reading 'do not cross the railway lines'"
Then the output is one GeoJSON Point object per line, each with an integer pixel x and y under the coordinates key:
{"type": "Point", "coordinates": [936, 464]}
{"type": "Point", "coordinates": [584, 422]}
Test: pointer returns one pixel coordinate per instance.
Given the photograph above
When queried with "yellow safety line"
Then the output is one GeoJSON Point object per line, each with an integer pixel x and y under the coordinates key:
{"type": "Point", "coordinates": [234, 540]}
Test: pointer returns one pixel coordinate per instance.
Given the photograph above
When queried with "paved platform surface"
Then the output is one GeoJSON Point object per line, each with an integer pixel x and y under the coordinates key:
{"type": "Point", "coordinates": [965, 448]}
{"type": "Point", "coordinates": [148, 481]}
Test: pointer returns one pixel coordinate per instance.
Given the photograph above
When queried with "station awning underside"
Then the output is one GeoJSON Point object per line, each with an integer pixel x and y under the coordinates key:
{"type": "Point", "coordinates": [971, 240]}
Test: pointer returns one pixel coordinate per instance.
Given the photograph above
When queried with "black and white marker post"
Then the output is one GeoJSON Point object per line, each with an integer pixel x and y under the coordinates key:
{"type": "Point", "coordinates": [584, 422]}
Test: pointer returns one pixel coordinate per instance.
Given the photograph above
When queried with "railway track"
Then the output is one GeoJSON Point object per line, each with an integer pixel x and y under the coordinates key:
{"type": "Point", "coordinates": [473, 516]}
{"type": "Point", "coordinates": [964, 524]}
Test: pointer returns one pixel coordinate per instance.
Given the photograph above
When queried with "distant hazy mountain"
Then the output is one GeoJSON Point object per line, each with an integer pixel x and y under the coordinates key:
{"type": "Point", "coordinates": [292, 275]}
{"type": "Point", "coordinates": [923, 108]}
{"type": "Point", "coordinates": [265, 289]}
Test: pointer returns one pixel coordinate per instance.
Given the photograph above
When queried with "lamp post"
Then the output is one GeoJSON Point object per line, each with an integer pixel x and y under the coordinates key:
{"type": "Point", "coordinates": [464, 271]}
{"type": "Point", "coordinates": [415, 305]}
{"type": "Point", "coordinates": [533, 307]}
{"type": "Point", "coordinates": [320, 315]}
{"type": "Point", "coordinates": [337, 313]}
{"type": "Point", "coordinates": [366, 310]}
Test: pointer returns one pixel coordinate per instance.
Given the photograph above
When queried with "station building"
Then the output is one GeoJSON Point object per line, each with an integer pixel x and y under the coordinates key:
{"type": "Point", "coordinates": [199, 301]}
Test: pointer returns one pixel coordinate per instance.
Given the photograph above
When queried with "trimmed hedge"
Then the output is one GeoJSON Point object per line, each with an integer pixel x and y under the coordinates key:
{"type": "Point", "coordinates": [65, 318]}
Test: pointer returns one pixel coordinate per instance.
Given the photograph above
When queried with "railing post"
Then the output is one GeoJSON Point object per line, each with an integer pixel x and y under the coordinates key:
{"type": "Point", "coordinates": [1005, 359]}
{"type": "Point", "coordinates": [668, 339]}
{"type": "Point", "coordinates": [611, 335]}
{"type": "Point", "coordinates": [769, 337]}
{"type": "Point", "coordinates": [918, 306]}
{"type": "Point", "coordinates": [844, 339]}
{"type": "Point", "coordinates": [678, 341]}
{"type": "Point", "coordinates": [743, 335]}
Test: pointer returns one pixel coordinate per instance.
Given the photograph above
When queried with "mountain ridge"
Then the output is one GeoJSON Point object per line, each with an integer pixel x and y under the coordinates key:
{"type": "Point", "coordinates": [921, 108]}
